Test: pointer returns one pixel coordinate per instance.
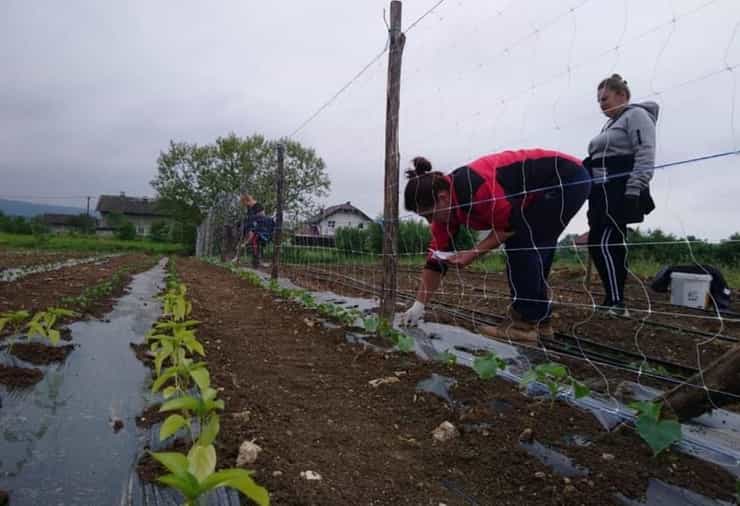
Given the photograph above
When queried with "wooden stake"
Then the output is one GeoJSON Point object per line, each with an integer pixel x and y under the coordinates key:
{"type": "Point", "coordinates": [723, 375]}
{"type": "Point", "coordinates": [278, 234]}
{"type": "Point", "coordinates": [392, 160]}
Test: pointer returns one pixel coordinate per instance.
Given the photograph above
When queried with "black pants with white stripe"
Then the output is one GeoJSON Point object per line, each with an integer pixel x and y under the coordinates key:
{"type": "Point", "coordinates": [609, 253]}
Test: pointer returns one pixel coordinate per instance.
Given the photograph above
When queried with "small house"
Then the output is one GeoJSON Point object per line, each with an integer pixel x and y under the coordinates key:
{"type": "Point", "coordinates": [63, 223]}
{"type": "Point", "coordinates": [320, 230]}
{"type": "Point", "coordinates": [141, 211]}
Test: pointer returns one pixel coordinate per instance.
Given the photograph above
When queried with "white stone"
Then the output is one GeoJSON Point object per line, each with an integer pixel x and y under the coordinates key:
{"type": "Point", "coordinates": [445, 432]}
{"type": "Point", "coordinates": [248, 452]}
{"type": "Point", "coordinates": [311, 476]}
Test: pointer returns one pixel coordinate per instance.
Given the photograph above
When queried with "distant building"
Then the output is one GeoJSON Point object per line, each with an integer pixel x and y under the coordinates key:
{"type": "Point", "coordinates": [319, 230]}
{"type": "Point", "coordinates": [62, 223]}
{"type": "Point", "coordinates": [141, 211]}
{"type": "Point", "coordinates": [329, 220]}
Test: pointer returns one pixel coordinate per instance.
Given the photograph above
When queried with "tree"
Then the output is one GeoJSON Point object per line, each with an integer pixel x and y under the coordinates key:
{"type": "Point", "coordinates": [159, 231]}
{"type": "Point", "coordinates": [191, 177]}
{"type": "Point", "coordinates": [126, 231]}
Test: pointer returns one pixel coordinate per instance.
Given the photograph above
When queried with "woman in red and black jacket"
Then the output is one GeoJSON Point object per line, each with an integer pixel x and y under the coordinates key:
{"type": "Point", "coordinates": [525, 198]}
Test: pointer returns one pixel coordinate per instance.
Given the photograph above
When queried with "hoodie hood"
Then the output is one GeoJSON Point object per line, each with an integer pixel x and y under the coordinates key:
{"type": "Point", "coordinates": [650, 107]}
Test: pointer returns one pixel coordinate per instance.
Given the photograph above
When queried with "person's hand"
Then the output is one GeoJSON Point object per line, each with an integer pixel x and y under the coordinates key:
{"type": "Point", "coordinates": [411, 317]}
{"type": "Point", "coordinates": [462, 258]}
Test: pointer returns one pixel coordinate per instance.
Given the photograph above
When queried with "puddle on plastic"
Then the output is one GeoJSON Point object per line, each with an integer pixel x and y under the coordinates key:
{"type": "Point", "coordinates": [14, 274]}
{"type": "Point", "coordinates": [662, 494]}
{"type": "Point", "coordinates": [57, 443]}
{"type": "Point", "coordinates": [558, 462]}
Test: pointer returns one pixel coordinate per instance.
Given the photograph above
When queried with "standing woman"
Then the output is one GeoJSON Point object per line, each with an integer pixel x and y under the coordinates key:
{"type": "Point", "coordinates": [621, 159]}
{"type": "Point", "coordinates": [526, 198]}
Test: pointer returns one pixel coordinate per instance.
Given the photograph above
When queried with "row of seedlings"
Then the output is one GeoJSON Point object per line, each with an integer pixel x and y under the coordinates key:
{"type": "Point", "coordinates": [192, 404]}
{"type": "Point", "coordinates": [657, 431]}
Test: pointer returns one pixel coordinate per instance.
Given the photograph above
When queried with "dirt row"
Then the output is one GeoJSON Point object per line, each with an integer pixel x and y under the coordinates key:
{"type": "Point", "coordinates": [301, 392]}
{"type": "Point", "coordinates": [14, 258]}
{"type": "Point", "coordinates": [46, 289]}
{"type": "Point", "coordinates": [40, 291]}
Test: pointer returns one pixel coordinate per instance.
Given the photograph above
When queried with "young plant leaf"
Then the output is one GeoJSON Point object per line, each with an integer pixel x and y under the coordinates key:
{"type": "Point", "coordinates": [201, 461]}
{"type": "Point", "coordinates": [171, 425]}
{"type": "Point", "coordinates": [201, 377]}
{"type": "Point", "coordinates": [185, 402]}
{"type": "Point", "coordinates": [658, 434]}
{"type": "Point", "coordinates": [405, 343]}
{"type": "Point", "coordinates": [447, 357]}
{"type": "Point", "coordinates": [209, 432]}
{"type": "Point", "coordinates": [174, 462]}
{"type": "Point", "coordinates": [239, 479]}
{"type": "Point", "coordinates": [185, 483]}
{"type": "Point", "coordinates": [487, 366]}
{"type": "Point", "coordinates": [580, 390]}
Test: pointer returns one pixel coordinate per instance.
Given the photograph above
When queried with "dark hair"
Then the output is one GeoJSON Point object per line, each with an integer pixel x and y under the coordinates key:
{"type": "Point", "coordinates": [423, 185]}
{"type": "Point", "coordinates": [615, 83]}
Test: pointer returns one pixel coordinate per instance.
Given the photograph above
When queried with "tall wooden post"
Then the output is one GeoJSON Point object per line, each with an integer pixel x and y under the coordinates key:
{"type": "Point", "coordinates": [392, 160]}
{"type": "Point", "coordinates": [278, 235]}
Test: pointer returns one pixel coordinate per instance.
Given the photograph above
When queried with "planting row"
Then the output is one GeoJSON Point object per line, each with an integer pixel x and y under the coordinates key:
{"type": "Point", "coordinates": [659, 433]}
{"type": "Point", "coordinates": [191, 403]}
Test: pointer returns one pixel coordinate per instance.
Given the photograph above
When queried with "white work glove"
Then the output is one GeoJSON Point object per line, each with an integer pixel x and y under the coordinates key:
{"type": "Point", "coordinates": [411, 317]}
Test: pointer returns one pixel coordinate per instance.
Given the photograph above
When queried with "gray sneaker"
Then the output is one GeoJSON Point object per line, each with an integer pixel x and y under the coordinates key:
{"type": "Point", "coordinates": [618, 311]}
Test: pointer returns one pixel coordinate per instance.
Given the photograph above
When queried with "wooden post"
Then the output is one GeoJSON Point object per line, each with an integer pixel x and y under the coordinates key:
{"type": "Point", "coordinates": [392, 160]}
{"type": "Point", "coordinates": [278, 234]}
{"type": "Point", "coordinates": [722, 375]}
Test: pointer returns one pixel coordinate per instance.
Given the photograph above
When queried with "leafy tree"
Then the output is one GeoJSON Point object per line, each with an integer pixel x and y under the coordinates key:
{"type": "Point", "coordinates": [191, 177]}
{"type": "Point", "coordinates": [126, 231]}
{"type": "Point", "coordinates": [159, 231]}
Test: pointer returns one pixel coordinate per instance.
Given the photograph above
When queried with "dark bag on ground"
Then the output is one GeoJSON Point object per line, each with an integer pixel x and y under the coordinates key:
{"type": "Point", "coordinates": [718, 287]}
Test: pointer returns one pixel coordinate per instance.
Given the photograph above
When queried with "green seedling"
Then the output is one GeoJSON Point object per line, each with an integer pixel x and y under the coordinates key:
{"type": "Point", "coordinates": [176, 304]}
{"type": "Point", "coordinates": [194, 475]}
{"type": "Point", "coordinates": [487, 366]}
{"type": "Point", "coordinates": [42, 324]}
{"type": "Point", "coordinates": [657, 432]}
{"type": "Point", "coordinates": [556, 378]}
{"type": "Point", "coordinates": [447, 357]}
{"type": "Point", "coordinates": [13, 319]}
{"type": "Point", "coordinates": [403, 342]}
{"type": "Point", "coordinates": [181, 375]}
{"type": "Point", "coordinates": [657, 370]}
{"type": "Point", "coordinates": [370, 324]}
{"type": "Point", "coordinates": [171, 340]}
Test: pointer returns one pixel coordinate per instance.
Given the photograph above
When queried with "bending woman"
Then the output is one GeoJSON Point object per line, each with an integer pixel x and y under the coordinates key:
{"type": "Point", "coordinates": [525, 198]}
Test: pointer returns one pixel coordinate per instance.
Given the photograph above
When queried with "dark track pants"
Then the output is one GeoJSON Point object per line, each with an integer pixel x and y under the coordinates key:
{"type": "Point", "coordinates": [530, 252]}
{"type": "Point", "coordinates": [609, 253]}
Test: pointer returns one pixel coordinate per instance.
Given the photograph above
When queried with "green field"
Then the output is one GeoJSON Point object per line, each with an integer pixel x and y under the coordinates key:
{"type": "Point", "coordinates": [87, 243]}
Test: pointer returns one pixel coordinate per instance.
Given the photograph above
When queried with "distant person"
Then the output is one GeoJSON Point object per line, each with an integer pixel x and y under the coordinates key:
{"type": "Point", "coordinates": [621, 160]}
{"type": "Point", "coordinates": [526, 198]}
{"type": "Point", "coordinates": [256, 229]}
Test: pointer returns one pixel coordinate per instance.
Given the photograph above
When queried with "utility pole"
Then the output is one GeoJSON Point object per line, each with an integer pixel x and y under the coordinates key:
{"type": "Point", "coordinates": [278, 236]}
{"type": "Point", "coordinates": [392, 161]}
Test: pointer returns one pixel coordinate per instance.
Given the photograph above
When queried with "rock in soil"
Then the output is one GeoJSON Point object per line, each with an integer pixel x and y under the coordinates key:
{"type": "Point", "coordinates": [248, 452]}
{"type": "Point", "coordinates": [445, 432]}
{"type": "Point", "coordinates": [116, 423]}
{"type": "Point", "coordinates": [526, 436]}
{"type": "Point", "coordinates": [19, 376]}
{"type": "Point", "coordinates": [311, 476]}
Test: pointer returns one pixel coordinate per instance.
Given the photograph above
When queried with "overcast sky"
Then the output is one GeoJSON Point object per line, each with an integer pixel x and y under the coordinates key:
{"type": "Point", "coordinates": [90, 92]}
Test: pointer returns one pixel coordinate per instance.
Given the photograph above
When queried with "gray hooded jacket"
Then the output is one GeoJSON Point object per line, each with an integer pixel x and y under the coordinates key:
{"type": "Point", "coordinates": [630, 133]}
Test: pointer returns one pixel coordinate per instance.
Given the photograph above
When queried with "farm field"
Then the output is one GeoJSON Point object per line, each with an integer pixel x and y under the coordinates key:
{"type": "Point", "coordinates": [310, 407]}
{"type": "Point", "coordinates": [292, 383]}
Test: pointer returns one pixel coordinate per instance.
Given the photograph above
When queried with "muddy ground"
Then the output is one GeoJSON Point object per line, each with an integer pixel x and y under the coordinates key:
{"type": "Point", "coordinates": [301, 392]}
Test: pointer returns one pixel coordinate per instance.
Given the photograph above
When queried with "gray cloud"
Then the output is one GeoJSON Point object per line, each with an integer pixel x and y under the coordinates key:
{"type": "Point", "coordinates": [91, 92]}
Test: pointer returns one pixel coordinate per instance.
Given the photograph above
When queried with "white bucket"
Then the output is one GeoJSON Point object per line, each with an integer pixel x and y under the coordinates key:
{"type": "Point", "coordinates": [690, 290]}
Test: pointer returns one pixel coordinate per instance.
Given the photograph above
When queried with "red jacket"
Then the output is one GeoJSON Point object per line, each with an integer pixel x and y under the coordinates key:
{"type": "Point", "coordinates": [493, 191]}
